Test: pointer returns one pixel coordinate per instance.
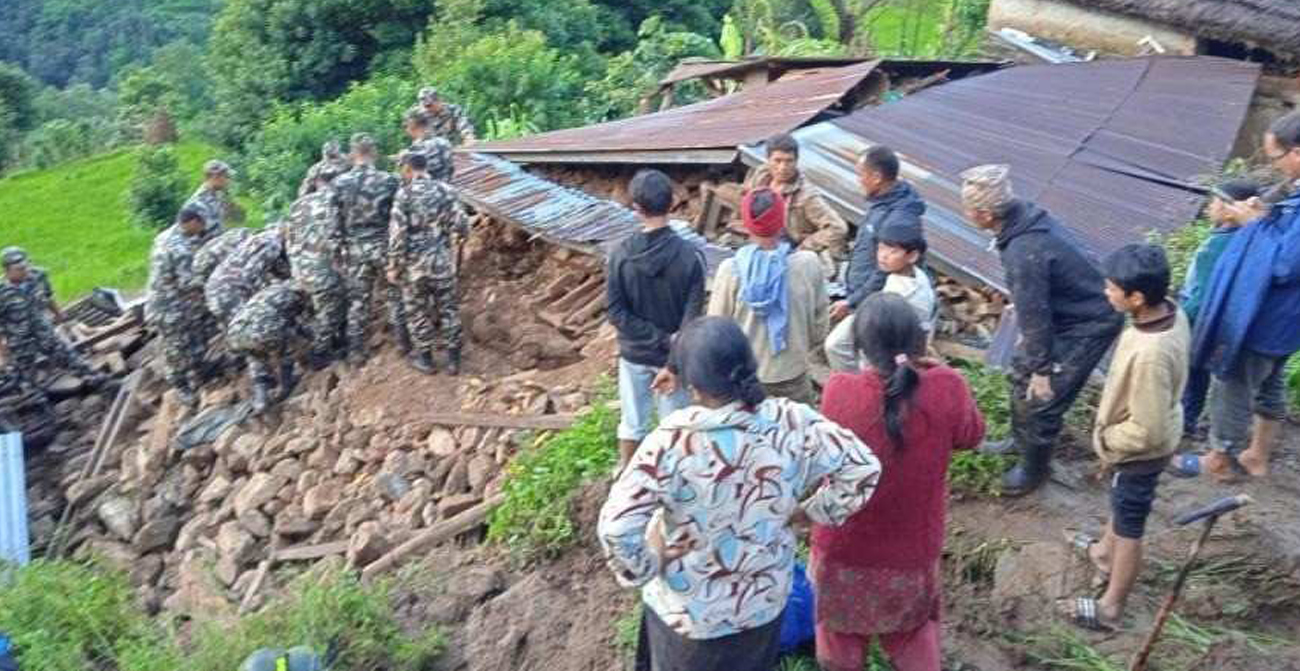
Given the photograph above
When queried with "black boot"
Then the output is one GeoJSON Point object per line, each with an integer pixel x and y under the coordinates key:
{"type": "Point", "coordinates": [1030, 473]}
{"type": "Point", "coordinates": [423, 362]}
{"type": "Point", "coordinates": [1004, 446]}
{"type": "Point", "coordinates": [453, 362]}
{"type": "Point", "coordinates": [261, 396]}
{"type": "Point", "coordinates": [403, 338]}
{"type": "Point", "coordinates": [318, 360]}
{"type": "Point", "coordinates": [287, 379]}
{"type": "Point", "coordinates": [357, 353]}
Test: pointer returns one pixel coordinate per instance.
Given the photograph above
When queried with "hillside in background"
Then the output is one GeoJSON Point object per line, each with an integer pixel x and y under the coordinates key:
{"type": "Point", "coordinates": [73, 219]}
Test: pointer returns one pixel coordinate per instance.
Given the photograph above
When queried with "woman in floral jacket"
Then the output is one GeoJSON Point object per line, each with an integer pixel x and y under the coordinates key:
{"type": "Point", "coordinates": [701, 518]}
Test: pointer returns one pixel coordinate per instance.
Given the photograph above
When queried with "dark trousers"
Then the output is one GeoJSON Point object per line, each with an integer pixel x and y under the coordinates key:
{"type": "Point", "coordinates": [659, 648]}
{"type": "Point", "coordinates": [1036, 423]}
{"type": "Point", "coordinates": [1198, 389]}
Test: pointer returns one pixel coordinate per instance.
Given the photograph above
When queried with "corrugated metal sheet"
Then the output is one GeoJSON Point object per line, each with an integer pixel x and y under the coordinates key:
{"type": "Point", "coordinates": [15, 544]}
{"type": "Point", "coordinates": [693, 69]}
{"type": "Point", "coordinates": [723, 123]}
{"type": "Point", "coordinates": [556, 213]}
{"type": "Point", "coordinates": [1113, 148]}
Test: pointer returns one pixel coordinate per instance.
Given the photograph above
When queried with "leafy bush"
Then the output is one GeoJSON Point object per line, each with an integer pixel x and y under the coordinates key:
{"type": "Point", "coordinates": [534, 519]}
{"type": "Point", "coordinates": [974, 472]}
{"type": "Point", "coordinates": [157, 188]}
{"type": "Point", "coordinates": [63, 140]}
{"type": "Point", "coordinates": [634, 74]}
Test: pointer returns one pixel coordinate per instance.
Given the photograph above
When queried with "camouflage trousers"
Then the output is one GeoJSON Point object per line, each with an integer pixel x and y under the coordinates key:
{"type": "Point", "coordinates": [25, 354]}
{"type": "Point", "coordinates": [184, 341]}
{"type": "Point", "coordinates": [224, 300]}
{"type": "Point", "coordinates": [329, 304]}
{"type": "Point", "coordinates": [263, 361]}
{"type": "Point", "coordinates": [365, 272]}
{"type": "Point", "coordinates": [433, 312]}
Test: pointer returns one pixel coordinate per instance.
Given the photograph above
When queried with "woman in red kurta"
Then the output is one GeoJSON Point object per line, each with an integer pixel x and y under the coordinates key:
{"type": "Point", "coordinates": [878, 575]}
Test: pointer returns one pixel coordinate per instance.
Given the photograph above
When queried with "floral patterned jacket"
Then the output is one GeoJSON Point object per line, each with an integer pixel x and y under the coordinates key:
{"type": "Point", "coordinates": [725, 482]}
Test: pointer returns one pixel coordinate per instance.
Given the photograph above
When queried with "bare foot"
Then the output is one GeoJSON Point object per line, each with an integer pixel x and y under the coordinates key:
{"type": "Point", "coordinates": [1218, 466]}
{"type": "Point", "coordinates": [1255, 463]}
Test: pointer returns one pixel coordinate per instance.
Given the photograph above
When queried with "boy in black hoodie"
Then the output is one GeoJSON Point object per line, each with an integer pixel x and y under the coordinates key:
{"type": "Point", "coordinates": [655, 284]}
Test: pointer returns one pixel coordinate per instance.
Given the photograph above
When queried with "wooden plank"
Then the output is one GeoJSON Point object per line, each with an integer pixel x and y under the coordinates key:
{"type": "Point", "coordinates": [309, 552]}
{"type": "Point", "coordinates": [534, 422]}
{"type": "Point", "coordinates": [439, 533]}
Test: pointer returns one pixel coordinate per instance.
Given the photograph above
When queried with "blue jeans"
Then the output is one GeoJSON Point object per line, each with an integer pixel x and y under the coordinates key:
{"type": "Point", "coordinates": [1198, 388]}
{"type": "Point", "coordinates": [637, 400]}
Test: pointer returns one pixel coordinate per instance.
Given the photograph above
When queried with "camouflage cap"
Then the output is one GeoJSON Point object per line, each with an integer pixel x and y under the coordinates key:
{"type": "Point", "coordinates": [216, 167]}
{"type": "Point", "coordinates": [417, 117]}
{"type": "Point", "coordinates": [362, 142]}
{"type": "Point", "coordinates": [330, 171]}
{"type": "Point", "coordinates": [12, 256]}
{"type": "Point", "coordinates": [428, 94]}
{"type": "Point", "coordinates": [330, 149]}
{"type": "Point", "coordinates": [300, 658]}
{"type": "Point", "coordinates": [987, 187]}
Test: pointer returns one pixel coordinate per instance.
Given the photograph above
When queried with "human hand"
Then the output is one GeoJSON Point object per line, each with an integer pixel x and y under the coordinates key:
{"type": "Point", "coordinates": [1040, 388]}
{"type": "Point", "coordinates": [1246, 211]}
{"type": "Point", "coordinates": [840, 310]}
{"type": "Point", "coordinates": [665, 382]}
{"type": "Point", "coordinates": [668, 552]}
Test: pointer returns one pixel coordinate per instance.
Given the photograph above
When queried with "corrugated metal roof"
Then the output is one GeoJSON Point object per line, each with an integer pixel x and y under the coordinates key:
{"type": "Point", "coordinates": [15, 543]}
{"type": "Point", "coordinates": [746, 117]}
{"type": "Point", "coordinates": [693, 69]}
{"type": "Point", "coordinates": [559, 214]}
{"type": "Point", "coordinates": [1112, 148]}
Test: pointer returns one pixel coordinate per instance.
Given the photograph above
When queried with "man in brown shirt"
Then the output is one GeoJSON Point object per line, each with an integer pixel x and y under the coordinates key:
{"type": "Point", "coordinates": [810, 224]}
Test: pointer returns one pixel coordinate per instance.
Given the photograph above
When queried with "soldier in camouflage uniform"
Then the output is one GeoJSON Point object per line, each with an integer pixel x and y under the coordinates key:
{"type": "Point", "coordinates": [313, 239]}
{"type": "Point", "coordinates": [426, 216]}
{"type": "Point", "coordinates": [423, 141]}
{"type": "Point", "coordinates": [214, 251]}
{"type": "Point", "coordinates": [446, 121]}
{"type": "Point", "coordinates": [25, 325]}
{"type": "Point", "coordinates": [213, 199]}
{"type": "Point", "coordinates": [365, 198]}
{"type": "Point", "coordinates": [331, 161]}
{"type": "Point", "coordinates": [254, 263]}
{"type": "Point", "coordinates": [261, 332]}
{"type": "Point", "coordinates": [175, 307]}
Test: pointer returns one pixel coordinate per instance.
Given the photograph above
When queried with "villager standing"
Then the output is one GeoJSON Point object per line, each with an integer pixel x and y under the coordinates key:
{"type": "Point", "coordinates": [1139, 424]}
{"type": "Point", "coordinates": [331, 162]}
{"type": "Point", "coordinates": [427, 225]}
{"type": "Point", "coordinates": [1066, 323]}
{"type": "Point", "coordinates": [213, 198]}
{"type": "Point", "coordinates": [313, 241]}
{"type": "Point", "coordinates": [810, 222]}
{"type": "Point", "coordinates": [365, 196]}
{"type": "Point", "coordinates": [26, 328]}
{"type": "Point", "coordinates": [261, 332]}
{"type": "Point", "coordinates": [879, 575]}
{"type": "Point", "coordinates": [777, 295]}
{"type": "Point", "coordinates": [655, 286]}
{"type": "Point", "coordinates": [446, 120]}
{"type": "Point", "coordinates": [175, 307]}
{"type": "Point", "coordinates": [251, 266]}
{"type": "Point", "coordinates": [701, 520]}
{"type": "Point", "coordinates": [1246, 328]}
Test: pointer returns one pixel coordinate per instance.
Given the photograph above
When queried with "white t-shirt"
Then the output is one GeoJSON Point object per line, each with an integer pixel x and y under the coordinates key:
{"type": "Point", "coordinates": [919, 292]}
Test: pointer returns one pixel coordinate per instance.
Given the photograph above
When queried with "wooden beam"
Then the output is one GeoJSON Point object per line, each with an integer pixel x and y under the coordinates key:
{"type": "Point", "coordinates": [533, 422]}
{"type": "Point", "coordinates": [309, 552]}
{"type": "Point", "coordinates": [439, 533]}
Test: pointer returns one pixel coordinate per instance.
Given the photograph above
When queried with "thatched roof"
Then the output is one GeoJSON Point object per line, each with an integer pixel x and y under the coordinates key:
{"type": "Point", "coordinates": [1271, 24]}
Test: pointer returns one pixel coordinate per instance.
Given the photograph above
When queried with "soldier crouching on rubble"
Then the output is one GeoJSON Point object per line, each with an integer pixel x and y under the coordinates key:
{"type": "Point", "coordinates": [261, 332]}
{"type": "Point", "coordinates": [426, 216]}
{"type": "Point", "coordinates": [26, 329]}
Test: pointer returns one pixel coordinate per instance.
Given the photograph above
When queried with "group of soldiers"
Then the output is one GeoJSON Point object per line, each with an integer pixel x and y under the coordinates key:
{"type": "Point", "coordinates": [354, 231]}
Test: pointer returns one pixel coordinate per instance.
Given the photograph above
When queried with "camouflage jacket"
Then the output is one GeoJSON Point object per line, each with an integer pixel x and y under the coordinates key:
{"type": "Point", "coordinates": [216, 250]}
{"type": "Point", "coordinates": [267, 320]}
{"type": "Point", "coordinates": [308, 185]}
{"type": "Point", "coordinates": [426, 213]}
{"type": "Point", "coordinates": [21, 315]}
{"type": "Point", "coordinates": [173, 286]}
{"type": "Point", "coordinates": [313, 231]}
{"type": "Point", "coordinates": [452, 123]}
{"type": "Point", "coordinates": [216, 207]}
{"type": "Point", "coordinates": [252, 265]}
{"type": "Point", "coordinates": [365, 197]}
{"type": "Point", "coordinates": [37, 287]}
{"type": "Point", "coordinates": [435, 149]}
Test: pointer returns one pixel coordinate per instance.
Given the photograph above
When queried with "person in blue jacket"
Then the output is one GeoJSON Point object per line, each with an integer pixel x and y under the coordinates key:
{"type": "Point", "coordinates": [1249, 323]}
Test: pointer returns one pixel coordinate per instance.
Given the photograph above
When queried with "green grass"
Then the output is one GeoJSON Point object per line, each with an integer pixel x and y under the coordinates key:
{"type": "Point", "coordinates": [72, 219]}
{"type": "Point", "coordinates": [66, 616]}
{"type": "Point", "coordinates": [534, 519]}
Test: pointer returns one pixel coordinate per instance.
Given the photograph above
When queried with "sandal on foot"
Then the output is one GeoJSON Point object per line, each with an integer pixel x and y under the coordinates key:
{"type": "Point", "coordinates": [1084, 612]}
{"type": "Point", "coordinates": [1081, 543]}
{"type": "Point", "coordinates": [1185, 465]}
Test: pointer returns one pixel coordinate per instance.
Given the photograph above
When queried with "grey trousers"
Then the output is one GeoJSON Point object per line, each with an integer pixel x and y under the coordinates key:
{"type": "Point", "coordinates": [1256, 385]}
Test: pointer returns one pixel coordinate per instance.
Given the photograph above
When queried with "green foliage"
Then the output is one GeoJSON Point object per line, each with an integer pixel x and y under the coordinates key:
{"type": "Point", "coordinates": [972, 472]}
{"type": "Point", "coordinates": [89, 239]}
{"type": "Point", "coordinates": [702, 17]}
{"type": "Point", "coordinates": [963, 25]}
{"type": "Point", "coordinates": [780, 28]}
{"type": "Point", "coordinates": [157, 188]}
{"type": "Point", "coordinates": [976, 473]}
{"type": "Point", "coordinates": [515, 123]}
{"type": "Point", "coordinates": [280, 154]}
{"type": "Point", "coordinates": [1063, 648]}
{"type": "Point", "coordinates": [628, 628]}
{"type": "Point", "coordinates": [170, 83]}
{"type": "Point", "coordinates": [828, 18]}
{"type": "Point", "coordinates": [1293, 382]}
{"type": "Point", "coordinates": [731, 41]}
{"type": "Point", "coordinates": [63, 140]}
{"type": "Point", "coordinates": [534, 519]}
{"type": "Point", "coordinates": [18, 97]}
{"type": "Point", "coordinates": [634, 75]}
{"type": "Point", "coordinates": [1180, 248]}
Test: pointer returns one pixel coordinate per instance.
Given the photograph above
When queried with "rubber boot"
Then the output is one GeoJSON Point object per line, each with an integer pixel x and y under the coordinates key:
{"type": "Point", "coordinates": [403, 338]}
{"type": "Point", "coordinates": [318, 360]}
{"type": "Point", "coordinates": [453, 362]}
{"type": "Point", "coordinates": [261, 396]}
{"type": "Point", "coordinates": [357, 353]}
{"type": "Point", "coordinates": [288, 380]}
{"type": "Point", "coordinates": [423, 362]}
{"type": "Point", "coordinates": [1004, 446]}
{"type": "Point", "coordinates": [1030, 473]}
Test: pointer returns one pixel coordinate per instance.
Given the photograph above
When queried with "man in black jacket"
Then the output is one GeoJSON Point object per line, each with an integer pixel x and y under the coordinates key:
{"type": "Point", "coordinates": [655, 284]}
{"type": "Point", "coordinates": [1066, 323]}
{"type": "Point", "coordinates": [891, 204]}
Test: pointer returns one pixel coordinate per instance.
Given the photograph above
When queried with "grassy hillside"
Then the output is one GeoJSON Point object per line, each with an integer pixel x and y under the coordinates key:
{"type": "Point", "coordinates": [73, 220]}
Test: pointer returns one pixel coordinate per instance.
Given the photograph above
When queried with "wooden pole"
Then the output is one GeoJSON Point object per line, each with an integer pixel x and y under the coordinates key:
{"type": "Point", "coordinates": [1144, 653]}
{"type": "Point", "coordinates": [438, 533]}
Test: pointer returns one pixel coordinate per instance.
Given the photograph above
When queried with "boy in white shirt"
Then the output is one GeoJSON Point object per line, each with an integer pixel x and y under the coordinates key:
{"type": "Point", "coordinates": [899, 250]}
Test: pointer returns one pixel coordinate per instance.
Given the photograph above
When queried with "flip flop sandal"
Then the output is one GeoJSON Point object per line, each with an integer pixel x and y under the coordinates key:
{"type": "Point", "coordinates": [1081, 542]}
{"type": "Point", "coordinates": [1185, 465]}
{"type": "Point", "coordinates": [1086, 615]}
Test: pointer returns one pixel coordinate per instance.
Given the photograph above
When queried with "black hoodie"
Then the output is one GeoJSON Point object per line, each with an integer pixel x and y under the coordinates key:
{"type": "Point", "coordinates": [900, 206]}
{"type": "Point", "coordinates": [1056, 289]}
{"type": "Point", "coordinates": [655, 284]}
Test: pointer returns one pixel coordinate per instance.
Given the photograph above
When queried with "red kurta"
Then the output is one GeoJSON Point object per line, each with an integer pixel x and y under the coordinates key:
{"type": "Point", "coordinates": [879, 573]}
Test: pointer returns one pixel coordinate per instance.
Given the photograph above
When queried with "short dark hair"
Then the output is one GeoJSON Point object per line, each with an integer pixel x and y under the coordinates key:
{"type": "Point", "coordinates": [652, 192]}
{"type": "Point", "coordinates": [783, 142]}
{"type": "Point", "coordinates": [907, 245]}
{"type": "Point", "coordinates": [881, 159]}
{"type": "Point", "coordinates": [713, 356]}
{"type": "Point", "coordinates": [1287, 130]}
{"type": "Point", "coordinates": [884, 327]}
{"type": "Point", "coordinates": [415, 160]}
{"type": "Point", "coordinates": [1140, 268]}
{"type": "Point", "coordinates": [190, 213]}
{"type": "Point", "coordinates": [1240, 189]}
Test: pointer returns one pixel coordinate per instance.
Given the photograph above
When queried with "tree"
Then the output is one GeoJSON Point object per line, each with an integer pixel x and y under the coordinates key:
{"type": "Point", "coordinates": [157, 188]}
{"type": "Point", "coordinates": [633, 75]}
{"type": "Point", "coordinates": [18, 96]}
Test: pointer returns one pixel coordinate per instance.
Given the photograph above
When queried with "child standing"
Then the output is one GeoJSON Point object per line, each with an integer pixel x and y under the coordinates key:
{"type": "Point", "coordinates": [1226, 219]}
{"type": "Point", "coordinates": [1139, 422]}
